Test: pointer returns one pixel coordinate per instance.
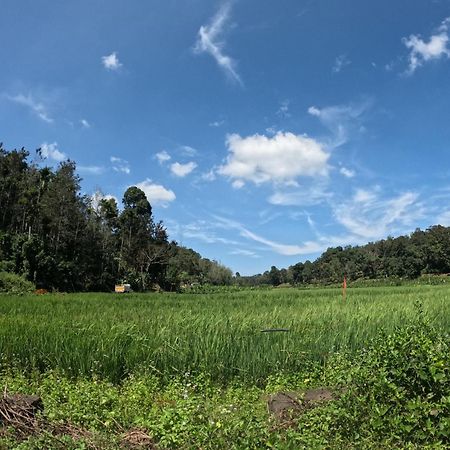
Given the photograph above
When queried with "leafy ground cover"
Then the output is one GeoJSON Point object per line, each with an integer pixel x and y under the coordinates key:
{"type": "Point", "coordinates": [386, 356]}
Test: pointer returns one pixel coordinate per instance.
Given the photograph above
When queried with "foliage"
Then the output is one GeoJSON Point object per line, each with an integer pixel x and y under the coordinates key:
{"type": "Point", "coordinates": [218, 332]}
{"type": "Point", "coordinates": [11, 283]}
{"type": "Point", "coordinates": [62, 240]}
{"type": "Point", "coordinates": [404, 257]}
{"type": "Point", "coordinates": [392, 394]}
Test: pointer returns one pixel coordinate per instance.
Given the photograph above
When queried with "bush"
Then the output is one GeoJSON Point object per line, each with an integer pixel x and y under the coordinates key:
{"type": "Point", "coordinates": [399, 388]}
{"type": "Point", "coordinates": [11, 283]}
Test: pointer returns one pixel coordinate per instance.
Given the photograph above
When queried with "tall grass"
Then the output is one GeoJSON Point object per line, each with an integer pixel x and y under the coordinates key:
{"type": "Point", "coordinates": [113, 336]}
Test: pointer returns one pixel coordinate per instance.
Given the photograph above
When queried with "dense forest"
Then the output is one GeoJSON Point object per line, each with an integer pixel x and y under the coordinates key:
{"type": "Point", "coordinates": [60, 239]}
{"type": "Point", "coordinates": [422, 252]}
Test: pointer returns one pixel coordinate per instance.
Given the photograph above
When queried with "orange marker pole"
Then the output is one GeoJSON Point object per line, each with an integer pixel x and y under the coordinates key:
{"type": "Point", "coordinates": [344, 288]}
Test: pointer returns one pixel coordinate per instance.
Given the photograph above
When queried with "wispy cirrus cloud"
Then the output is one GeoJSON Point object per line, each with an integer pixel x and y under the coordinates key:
{"type": "Point", "coordinates": [91, 170]}
{"type": "Point", "coordinates": [244, 252]}
{"type": "Point", "coordinates": [120, 165]}
{"type": "Point", "coordinates": [369, 216]}
{"type": "Point", "coordinates": [282, 249]}
{"type": "Point", "coordinates": [35, 106]}
{"type": "Point", "coordinates": [341, 120]}
{"type": "Point", "coordinates": [199, 230]}
{"type": "Point", "coordinates": [305, 195]}
{"type": "Point", "coordinates": [283, 110]}
{"type": "Point", "coordinates": [421, 51]}
{"type": "Point", "coordinates": [209, 42]}
{"type": "Point", "coordinates": [340, 62]}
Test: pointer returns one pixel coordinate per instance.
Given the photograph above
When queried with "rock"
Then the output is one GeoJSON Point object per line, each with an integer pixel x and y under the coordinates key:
{"type": "Point", "coordinates": [283, 404]}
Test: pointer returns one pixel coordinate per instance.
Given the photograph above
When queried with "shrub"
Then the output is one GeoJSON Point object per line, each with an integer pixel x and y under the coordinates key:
{"type": "Point", "coordinates": [12, 283]}
{"type": "Point", "coordinates": [399, 388]}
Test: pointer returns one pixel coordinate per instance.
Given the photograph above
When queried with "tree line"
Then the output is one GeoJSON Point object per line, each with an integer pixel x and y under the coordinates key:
{"type": "Point", "coordinates": [421, 252]}
{"type": "Point", "coordinates": [60, 239]}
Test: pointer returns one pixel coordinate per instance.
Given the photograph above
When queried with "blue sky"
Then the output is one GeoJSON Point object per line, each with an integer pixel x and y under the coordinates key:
{"type": "Point", "coordinates": [262, 132]}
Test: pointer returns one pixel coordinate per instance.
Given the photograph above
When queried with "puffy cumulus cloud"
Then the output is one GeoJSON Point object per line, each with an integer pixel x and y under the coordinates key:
{"type": "Point", "coordinates": [163, 157]}
{"type": "Point", "coordinates": [156, 194]}
{"type": "Point", "coordinates": [422, 51]}
{"type": "Point", "coordinates": [348, 173]}
{"type": "Point", "coordinates": [51, 151]}
{"type": "Point", "coordinates": [280, 159]}
{"type": "Point", "coordinates": [111, 62]}
{"type": "Point", "coordinates": [181, 170]}
{"type": "Point", "coordinates": [98, 196]}
{"type": "Point", "coordinates": [209, 41]}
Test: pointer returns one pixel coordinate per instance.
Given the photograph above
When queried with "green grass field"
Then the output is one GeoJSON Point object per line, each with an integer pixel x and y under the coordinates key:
{"type": "Point", "coordinates": [113, 336]}
{"type": "Point", "coordinates": [189, 371]}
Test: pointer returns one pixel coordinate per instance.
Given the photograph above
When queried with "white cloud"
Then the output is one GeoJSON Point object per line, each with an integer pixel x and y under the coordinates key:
{"type": "Point", "coordinates": [111, 62]}
{"type": "Point", "coordinates": [35, 106]}
{"type": "Point", "coordinates": [422, 51]}
{"type": "Point", "coordinates": [347, 172]}
{"type": "Point", "coordinates": [282, 249]}
{"type": "Point", "coordinates": [341, 120]}
{"type": "Point", "coordinates": [156, 194]}
{"type": "Point", "coordinates": [98, 196]}
{"type": "Point", "coordinates": [217, 123]}
{"type": "Point", "coordinates": [209, 42]}
{"type": "Point", "coordinates": [238, 184]}
{"type": "Point", "coordinates": [243, 252]}
{"type": "Point", "coordinates": [189, 151]}
{"type": "Point", "coordinates": [364, 196]}
{"type": "Point", "coordinates": [281, 158]}
{"type": "Point", "coordinates": [200, 230]}
{"type": "Point", "coordinates": [91, 170]}
{"type": "Point", "coordinates": [306, 196]}
{"type": "Point", "coordinates": [85, 123]}
{"type": "Point", "coordinates": [340, 62]}
{"type": "Point", "coordinates": [210, 175]}
{"type": "Point", "coordinates": [283, 110]}
{"type": "Point", "coordinates": [163, 157]}
{"type": "Point", "coordinates": [120, 165]}
{"type": "Point", "coordinates": [370, 217]}
{"type": "Point", "coordinates": [51, 151]}
{"type": "Point", "coordinates": [181, 170]}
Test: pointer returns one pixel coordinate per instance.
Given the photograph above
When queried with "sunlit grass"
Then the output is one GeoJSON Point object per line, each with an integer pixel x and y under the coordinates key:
{"type": "Point", "coordinates": [113, 336]}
